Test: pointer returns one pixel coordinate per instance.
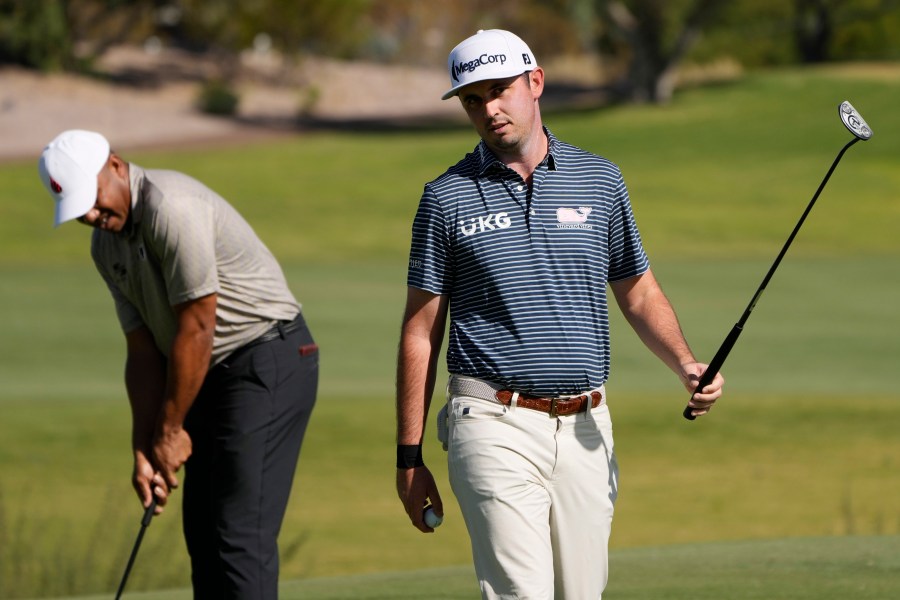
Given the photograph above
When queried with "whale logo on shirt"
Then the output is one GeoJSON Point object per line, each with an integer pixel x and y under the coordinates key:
{"type": "Point", "coordinates": [573, 215]}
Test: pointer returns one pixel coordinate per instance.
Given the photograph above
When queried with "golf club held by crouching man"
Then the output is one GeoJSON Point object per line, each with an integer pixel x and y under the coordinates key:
{"type": "Point", "coordinates": [145, 522]}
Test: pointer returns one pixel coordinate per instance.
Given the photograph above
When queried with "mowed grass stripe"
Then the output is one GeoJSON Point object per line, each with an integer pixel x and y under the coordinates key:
{"type": "Point", "coordinates": [823, 326]}
{"type": "Point", "coordinates": [862, 568]}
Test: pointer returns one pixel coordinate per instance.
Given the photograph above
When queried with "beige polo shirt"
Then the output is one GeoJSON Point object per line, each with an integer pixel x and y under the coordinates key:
{"type": "Point", "coordinates": [183, 242]}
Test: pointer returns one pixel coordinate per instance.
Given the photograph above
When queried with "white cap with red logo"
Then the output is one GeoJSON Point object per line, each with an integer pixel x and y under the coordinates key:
{"type": "Point", "coordinates": [489, 54]}
{"type": "Point", "coordinates": [68, 167]}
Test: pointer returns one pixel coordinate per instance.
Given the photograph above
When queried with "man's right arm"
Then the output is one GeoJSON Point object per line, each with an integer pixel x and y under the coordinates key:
{"type": "Point", "coordinates": [145, 382]}
{"type": "Point", "coordinates": [420, 344]}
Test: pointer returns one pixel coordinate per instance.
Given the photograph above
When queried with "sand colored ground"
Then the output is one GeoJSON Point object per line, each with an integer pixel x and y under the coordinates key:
{"type": "Point", "coordinates": [145, 100]}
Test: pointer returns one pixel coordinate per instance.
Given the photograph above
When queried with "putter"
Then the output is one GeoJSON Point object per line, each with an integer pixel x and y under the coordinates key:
{"type": "Point", "coordinates": [145, 522]}
{"type": "Point", "coordinates": [861, 131]}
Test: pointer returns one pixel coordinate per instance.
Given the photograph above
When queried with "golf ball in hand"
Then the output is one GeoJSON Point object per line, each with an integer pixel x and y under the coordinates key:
{"type": "Point", "coordinates": [431, 519]}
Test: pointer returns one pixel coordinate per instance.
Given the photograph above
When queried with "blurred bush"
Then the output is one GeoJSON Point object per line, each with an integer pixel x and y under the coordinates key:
{"type": "Point", "coordinates": [217, 97]}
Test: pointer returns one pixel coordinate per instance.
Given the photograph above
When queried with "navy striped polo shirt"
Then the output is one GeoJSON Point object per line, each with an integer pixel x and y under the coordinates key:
{"type": "Point", "coordinates": [526, 271]}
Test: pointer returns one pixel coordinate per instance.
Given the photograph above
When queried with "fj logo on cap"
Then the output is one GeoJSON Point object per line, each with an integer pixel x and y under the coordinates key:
{"type": "Point", "coordinates": [526, 59]}
{"type": "Point", "coordinates": [57, 189]}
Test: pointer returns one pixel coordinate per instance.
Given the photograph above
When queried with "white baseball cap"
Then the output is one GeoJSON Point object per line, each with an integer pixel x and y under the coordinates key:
{"type": "Point", "coordinates": [489, 54]}
{"type": "Point", "coordinates": [68, 167]}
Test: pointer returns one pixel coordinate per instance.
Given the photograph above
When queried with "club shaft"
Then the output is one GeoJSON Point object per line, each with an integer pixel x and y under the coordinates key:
{"type": "Point", "coordinates": [716, 363]}
{"type": "Point", "coordinates": [145, 521]}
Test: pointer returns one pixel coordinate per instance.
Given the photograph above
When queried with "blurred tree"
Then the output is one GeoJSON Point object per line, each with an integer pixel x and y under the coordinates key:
{"type": "Point", "coordinates": [813, 29]}
{"type": "Point", "coordinates": [645, 40]}
{"type": "Point", "coordinates": [774, 32]}
{"type": "Point", "coordinates": [655, 36]}
{"type": "Point", "coordinates": [865, 30]}
{"type": "Point", "coordinates": [68, 34]}
{"type": "Point", "coordinates": [97, 25]}
{"type": "Point", "coordinates": [33, 34]}
{"type": "Point", "coordinates": [417, 32]}
{"type": "Point", "coordinates": [48, 34]}
{"type": "Point", "coordinates": [331, 27]}
{"type": "Point", "coordinates": [751, 32]}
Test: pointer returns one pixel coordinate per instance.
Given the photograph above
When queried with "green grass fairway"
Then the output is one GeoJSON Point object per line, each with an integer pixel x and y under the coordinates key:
{"type": "Point", "coordinates": [800, 460]}
{"type": "Point", "coordinates": [804, 458]}
{"type": "Point", "coordinates": [861, 568]}
{"type": "Point", "coordinates": [791, 569]}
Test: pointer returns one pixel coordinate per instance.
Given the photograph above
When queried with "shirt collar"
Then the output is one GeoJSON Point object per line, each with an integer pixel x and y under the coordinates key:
{"type": "Point", "coordinates": [136, 175]}
{"type": "Point", "coordinates": [488, 160]}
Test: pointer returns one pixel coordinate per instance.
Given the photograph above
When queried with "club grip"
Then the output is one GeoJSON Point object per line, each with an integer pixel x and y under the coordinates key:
{"type": "Point", "coordinates": [148, 512]}
{"type": "Point", "coordinates": [715, 365]}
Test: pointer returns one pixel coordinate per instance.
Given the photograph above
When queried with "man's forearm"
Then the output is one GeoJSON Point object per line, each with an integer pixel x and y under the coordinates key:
{"type": "Point", "coordinates": [415, 385]}
{"type": "Point", "coordinates": [187, 368]}
{"type": "Point", "coordinates": [145, 382]}
{"type": "Point", "coordinates": [421, 337]}
{"type": "Point", "coordinates": [662, 334]}
{"type": "Point", "coordinates": [189, 360]}
{"type": "Point", "coordinates": [652, 317]}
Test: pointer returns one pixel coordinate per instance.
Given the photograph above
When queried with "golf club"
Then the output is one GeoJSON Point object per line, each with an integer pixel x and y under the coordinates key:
{"type": "Point", "coordinates": [145, 521]}
{"type": "Point", "coordinates": [861, 131]}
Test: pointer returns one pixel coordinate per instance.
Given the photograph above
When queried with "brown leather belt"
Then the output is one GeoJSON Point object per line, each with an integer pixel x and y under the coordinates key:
{"type": "Point", "coordinates": [552, 406]}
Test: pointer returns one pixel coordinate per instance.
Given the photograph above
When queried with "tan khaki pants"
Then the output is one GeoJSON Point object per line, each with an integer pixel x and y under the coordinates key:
{"type": "Point", "coordinates": [537, 495]}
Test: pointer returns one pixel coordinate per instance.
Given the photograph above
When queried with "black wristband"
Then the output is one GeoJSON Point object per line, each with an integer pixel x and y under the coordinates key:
{"type": "Point", "coordinates": [409, 456]}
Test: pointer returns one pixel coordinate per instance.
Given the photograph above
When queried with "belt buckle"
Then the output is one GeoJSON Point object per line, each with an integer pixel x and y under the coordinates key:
{"type": "Point", "coordinates": [553, 414]}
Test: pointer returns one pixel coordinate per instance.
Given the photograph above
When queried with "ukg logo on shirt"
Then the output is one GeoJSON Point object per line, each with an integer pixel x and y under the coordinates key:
{"type": "Point", "coordinates": [470, 66]}
{"type": "Point", "coordinates": [488, 223]}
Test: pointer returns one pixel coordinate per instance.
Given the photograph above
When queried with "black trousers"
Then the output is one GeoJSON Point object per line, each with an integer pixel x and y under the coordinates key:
{"type": "Point", "coordinates": [246, 426]}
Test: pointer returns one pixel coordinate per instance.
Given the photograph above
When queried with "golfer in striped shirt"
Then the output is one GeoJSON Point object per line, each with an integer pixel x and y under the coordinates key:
{"type": "Point", "coordinates": [517, 244]}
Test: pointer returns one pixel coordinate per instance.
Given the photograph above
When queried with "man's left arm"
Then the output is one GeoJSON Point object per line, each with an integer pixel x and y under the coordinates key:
{"type": "Point", "coordinates": [188, 365]}
{"type": "Point", "coordinates": [651, 315]}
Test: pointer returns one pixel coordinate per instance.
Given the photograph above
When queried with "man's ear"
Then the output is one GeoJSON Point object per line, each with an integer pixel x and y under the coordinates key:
{"type": "Point", "coordinates": [536, 82]}
{"type": "Point", "coordinates": [118, 166]}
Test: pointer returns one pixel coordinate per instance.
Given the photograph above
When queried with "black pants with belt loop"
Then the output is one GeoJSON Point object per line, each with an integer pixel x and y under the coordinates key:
{"type": "Point", "coordinates": [246, 426]}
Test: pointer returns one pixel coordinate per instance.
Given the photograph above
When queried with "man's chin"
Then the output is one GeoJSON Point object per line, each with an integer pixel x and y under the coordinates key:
{"type": "Point", "coordinates": [503, 141]}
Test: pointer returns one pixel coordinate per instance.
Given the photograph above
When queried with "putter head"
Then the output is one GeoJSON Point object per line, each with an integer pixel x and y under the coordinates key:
{"type": "Point", "coordinates": [854, 121]}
